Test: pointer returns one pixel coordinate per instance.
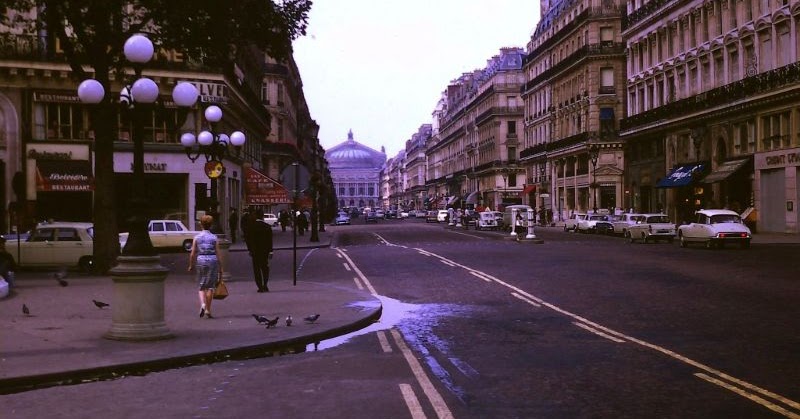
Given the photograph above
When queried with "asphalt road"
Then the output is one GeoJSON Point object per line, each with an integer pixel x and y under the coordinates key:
{"type": "Point", "coordinates": [476, 326]}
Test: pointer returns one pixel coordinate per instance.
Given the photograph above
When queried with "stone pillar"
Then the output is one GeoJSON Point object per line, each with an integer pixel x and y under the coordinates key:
{"type": "Point", "coordinates": [138, 305]}
{"type": "Point", "coordinates": [224, 252]}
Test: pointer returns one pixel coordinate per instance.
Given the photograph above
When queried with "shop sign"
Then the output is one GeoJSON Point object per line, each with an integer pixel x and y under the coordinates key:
{"type": "Point", "coordinates": [56, 97]}
{"type": "Point", "coordinates": [782, 158]}
{"type": "Point", "coordinates": [260, 189]}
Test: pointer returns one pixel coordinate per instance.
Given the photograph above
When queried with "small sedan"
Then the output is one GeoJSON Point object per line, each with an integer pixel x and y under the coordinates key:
{"type": "Point", "coordinates": [342, 218]}
{"type": "Point", "coordinates": [715, 227]}
{"type": "Point", "coordinates": [371, 217]}
{"type": "Point", "coordinates": [432, 217]}
{"type": "Point", "coordinates": [56, 244]}
{"type": "Point", "coordinates": [654, 227]}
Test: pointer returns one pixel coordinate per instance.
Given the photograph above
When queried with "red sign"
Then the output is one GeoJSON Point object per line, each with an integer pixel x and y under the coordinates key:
{"type": "Point", "coordinates": [260, 189]}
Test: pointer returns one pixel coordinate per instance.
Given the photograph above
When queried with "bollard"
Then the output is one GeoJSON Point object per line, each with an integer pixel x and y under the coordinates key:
{"type": "Point", "coordinates": [530, 234]}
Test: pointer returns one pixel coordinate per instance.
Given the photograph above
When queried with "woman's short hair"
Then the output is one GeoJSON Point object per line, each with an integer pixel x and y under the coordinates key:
{"type": "Point", "coordinates": [206, 221]}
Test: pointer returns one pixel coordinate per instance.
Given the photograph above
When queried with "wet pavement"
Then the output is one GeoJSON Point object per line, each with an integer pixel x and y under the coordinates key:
{"type": "Point", "coordinates": [61, 340]}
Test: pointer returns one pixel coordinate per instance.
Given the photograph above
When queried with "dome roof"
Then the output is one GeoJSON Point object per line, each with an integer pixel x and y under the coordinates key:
{"type": "Point", "coordinates": [353, 155]}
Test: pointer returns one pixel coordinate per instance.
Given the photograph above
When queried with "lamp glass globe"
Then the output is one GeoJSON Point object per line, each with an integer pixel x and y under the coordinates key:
{"type": "Point", "coordinates": [91, 91]}
{"type": "Point", "coordinates": [213, 113]}
{"type": "Point", "coordinates": [138, 49]}
{"type": "Point", "coordinates": [237, 138]}
{"type": "Point", "coordinates": [185, 94]}
{"type": "Point", "coordinates": [223, 138]}
{"type": "Point", "coordinates": [144, 90]}
{"type": "Point", "coordinates": [187, 139]}
{"type": "Point", "coordinates": [205, 138]}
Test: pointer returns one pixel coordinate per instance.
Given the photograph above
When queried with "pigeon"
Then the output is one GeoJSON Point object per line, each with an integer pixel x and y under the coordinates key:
{"type": "Point", "coordinates": [59, 276]}
{"type": "Point", "coordinates": [288, 320]}
{"type": "Point", "coordinates": [273, 322]}
{"type": "Point", "coordinates": [260, 319]}
{"type": "Point", "coordinates": [25, 310]}
{"type": "Point", "coordinates": [312, 318]}
{"type": "Point", "coordinates": [100, 304]}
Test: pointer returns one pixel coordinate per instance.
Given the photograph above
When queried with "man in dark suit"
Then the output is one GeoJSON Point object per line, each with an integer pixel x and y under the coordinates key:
{"type": "Point", "coordinates": [259, 244]}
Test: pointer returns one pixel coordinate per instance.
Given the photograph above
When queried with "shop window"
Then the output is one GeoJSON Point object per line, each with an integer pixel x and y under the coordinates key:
{"type": "Point", "coordinates": [59, 121]}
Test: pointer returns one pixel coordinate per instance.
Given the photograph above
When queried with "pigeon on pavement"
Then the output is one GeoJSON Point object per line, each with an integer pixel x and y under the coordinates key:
{"type": "Point", "coordinates": [100, 304]}
{"type": "Point", "coordinates": [288, 320]}
{"type": "Point", "coordinates": [273, 322]}
{"type": "Point", "coordinates": [260, 319]}
{"type": "Point", "coordinates": [312, 318]}
{"type": "Point", "coordinates": [25, 310]}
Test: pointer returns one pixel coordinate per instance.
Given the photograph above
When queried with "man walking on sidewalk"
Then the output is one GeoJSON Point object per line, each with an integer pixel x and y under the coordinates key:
{"type": "Point", "coordinates": [259, 244]}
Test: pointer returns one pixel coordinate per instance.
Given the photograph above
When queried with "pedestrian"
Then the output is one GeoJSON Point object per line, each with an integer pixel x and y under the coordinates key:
{"type": "Point", "coordinates": [7, 265]}
{"type": "Point", "coordinates": [205, 261]}
{"type": "Point", "coordinates": [245, 223]}
{"type": "Point", "coordinates": [259, 245]}
{"type": "Point", "coordinates": [283, 218]}
{"type": "Point", "coordinates": [302, 223]}
{"type": "Point", "coordinates": [233, 224]}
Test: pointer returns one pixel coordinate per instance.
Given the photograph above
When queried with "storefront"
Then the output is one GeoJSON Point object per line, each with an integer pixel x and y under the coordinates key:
{"type": "Point", "coordinates": [686, 195]}
{"type": "Point", "coordinates": [59, 182]}
{"type": "Point", "coordinates": [777, 190]}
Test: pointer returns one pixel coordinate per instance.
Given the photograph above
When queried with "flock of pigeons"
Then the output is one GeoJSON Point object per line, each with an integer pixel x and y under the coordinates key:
{"type": "Point", "coordinates": [60, 275]}
{"type": "Point", "coordinates": [274, 322]}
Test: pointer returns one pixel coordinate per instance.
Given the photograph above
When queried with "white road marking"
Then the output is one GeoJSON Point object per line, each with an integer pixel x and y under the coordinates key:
{"type": "Point", "coordinates": [384, 342]}
{"type": "Point", "coordinates": [480, 276]}
{"type": "Point", "coordinates": [598, 333]}
{"type": "Point", "coordinates": [753, 397]}
{"type": "Point", "coordinates": [412, 402]}
{"type": "Point", "coordinates": [439, 406]}
{"type": "Point", "coordinates": [359, 273]}
{"type": "Point", "coordinates": [358, 283]}
{"type": "Point", "coordinates": [346, 266]}
{"type": "Point", "coordinates": [521, 297]}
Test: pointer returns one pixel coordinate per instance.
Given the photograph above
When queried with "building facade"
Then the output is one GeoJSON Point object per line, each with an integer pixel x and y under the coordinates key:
{"type": "Point", "coordinates": [713, 118]}
{"type": "Point", "coordinates": [355, 171]}
{"type": "Point", "coordinates": [573, 96]}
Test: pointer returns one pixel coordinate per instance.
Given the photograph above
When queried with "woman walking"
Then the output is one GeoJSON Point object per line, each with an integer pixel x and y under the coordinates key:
{"type": "Point", "coordinates": [205, 258]}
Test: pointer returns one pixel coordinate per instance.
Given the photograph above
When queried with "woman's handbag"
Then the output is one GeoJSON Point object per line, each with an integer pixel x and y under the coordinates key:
{"type": "Point", "coordinates": [221, 291]}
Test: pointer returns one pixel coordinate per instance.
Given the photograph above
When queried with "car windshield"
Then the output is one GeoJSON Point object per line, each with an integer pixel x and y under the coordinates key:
{"type": "Point", "coordinates": [599, 217]}
{"type": "Point", "coordinates": [725, 218]}
{"type": "Point", "coordinates": [658, 219]}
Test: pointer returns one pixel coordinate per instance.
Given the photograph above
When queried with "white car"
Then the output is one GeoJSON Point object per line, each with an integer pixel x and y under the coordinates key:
{"type": "Point", "coordinates": [442, 215]}
{"type": "Point", "coordinates": [715, 227]}
{"type": "Point", "coordinates": [625, 221]}
{"type": "Point", "coordinates": [590, 223]}
{"type": "Point", "coordinates": [404, 214]}
{"type": "Point", "coordinates": [56, 244]}
{"type": "Point", "coordinates": [166, 234]}
{"type": "Point", "coordinates": [342, 218]}
{"type": "Point", "coordinates": [271, 219]}
{"type": "Point", "coordinates": [653, 227]}
{"type": "Point", "coordinates": [571, 223]}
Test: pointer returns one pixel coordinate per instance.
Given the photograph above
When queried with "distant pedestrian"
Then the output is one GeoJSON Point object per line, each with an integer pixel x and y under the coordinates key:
{"type": "Point", "coordinates": [284, 219]}
{"type": "Point", "coordinates": [244, 223]}
{"type": "Point", "coordinates": [7, 265]}
{"type": "Point", "coordinates": [302, 223]}
{"type": "Point", "coordinates": [259, 244]}
{"type": "Point", "coordinates": [205, 261]}
{"type": "Point", "coordinates": [233, 224]}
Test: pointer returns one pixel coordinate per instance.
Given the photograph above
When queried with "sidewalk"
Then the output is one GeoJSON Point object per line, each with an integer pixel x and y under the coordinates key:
{"type": "Point", "coordinates": [61, 341]}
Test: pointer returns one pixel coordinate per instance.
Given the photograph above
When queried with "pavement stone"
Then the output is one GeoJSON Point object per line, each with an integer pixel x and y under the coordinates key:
{"type": "Point", "coordinates": [61, 341]}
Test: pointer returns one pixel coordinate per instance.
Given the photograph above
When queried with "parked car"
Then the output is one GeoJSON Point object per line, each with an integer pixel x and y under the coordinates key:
{"type": "Point", "coordinates": [166, 234]}
{"type": "Point", "coordinates": [271, 219]}
{"type": "Point", "coordinates": [421, 214]}
{"type": "Point", "coordinates": [432, 216]}
{"type": "Point", "coordinates": [625, 221]}
{"type": "Point", "coordinates": [342, 218]}
{"type": "Point", "coordinates": [498, 216]}
{"type": "Point", "coordinates": [371, 217]}
{"type": "Point", "coordinates": [391, 214]}
{"type": "Point", "coordinates": [486, 221]}
{"type": "Point", "coordinates": [56, 244]}
{"type": "Point", "coordinates": [571, 223]}
{"type": "Point", "coordinates": [442, 216]}
{"type": "Point", "coordinates": [715, 227]}
{"type": "Point", "coordinates": [590, 223]}
{"type": "Point", "coordinates": [508, 216]}
{"type": "Point", "coordinates": [653, 227]}
{"type": "Point", "coordinates": [404, 214]}
{"type": "Point", "coordinates": [380, 214]}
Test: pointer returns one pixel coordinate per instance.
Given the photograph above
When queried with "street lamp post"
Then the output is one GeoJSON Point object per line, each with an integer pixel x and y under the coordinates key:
{"type": "Point", "coordinates": [594, 154]}
{"type": "Point", "coordinates": [214, 146]}
{"type": "Point", "coordinates": [138, 305]}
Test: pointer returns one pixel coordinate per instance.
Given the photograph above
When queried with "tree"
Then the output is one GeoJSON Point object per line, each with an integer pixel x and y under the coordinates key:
{"type": "Point", "coordinates": [91, 34]}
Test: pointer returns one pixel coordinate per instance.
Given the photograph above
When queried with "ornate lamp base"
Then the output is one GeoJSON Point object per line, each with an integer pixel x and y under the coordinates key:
{"type": "Point", "coordinates": [138, 305]}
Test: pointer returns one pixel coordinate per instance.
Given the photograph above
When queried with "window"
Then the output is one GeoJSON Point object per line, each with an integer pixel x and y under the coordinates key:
{"type": "Point", "coordinates": [280, 95]}
{"type": "Point", "coordinates": [607, 80]}
{"type": "Point", "coordinates": [58, 121]}
{"type": "Point", "coordinates": [265, 93]}
{"type": "Point", "coordinates": [512, 127]}
{"type": "Point", "coordinates": [158, 126]}
{"type": "Point", "coordinates": [512, 153]}
{"type": "Point", "coordinates": [68, 235]}
{"type": "Point", "coordinates": [606, 35]}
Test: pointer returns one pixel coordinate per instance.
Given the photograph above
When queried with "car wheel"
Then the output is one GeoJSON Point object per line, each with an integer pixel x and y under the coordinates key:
{"type": "Point", "coordinates": [86, 264]}
{"type": "Point", "coordinates": [645, 239]}
{"type": "Point", "coordinates": [629, 237]}
{"type": "Point", "coordinates": [709, 244]}
{"type": "Point", "coordinates": [187, 245]}
{"type": "Point", "coordinates": [565, 228]}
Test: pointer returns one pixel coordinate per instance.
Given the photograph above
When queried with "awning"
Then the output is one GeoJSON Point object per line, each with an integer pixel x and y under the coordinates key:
{"type": "Point", "coordinates": [260, 189]}
{"type": "Point", "coordinates": [725, 169]}
{"type": "Point", "coordinates": [64, 176]}
{"type": "Point", "coordinates": [680, 176]}
{"type": "Point", "coordinates": [528, 189]}
{"type": "Point", "coordinates": [451, 200]}
{"type": "Point", "coordinates": [472, 198]}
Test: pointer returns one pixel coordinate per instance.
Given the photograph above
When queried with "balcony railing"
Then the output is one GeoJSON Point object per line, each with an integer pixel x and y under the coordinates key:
{"type": "Point", "coordinates": [642, 13]}
{"type": "Point", "coordinates": [613, 48]}
{"type": "Point", "coordinates": [760, 83]}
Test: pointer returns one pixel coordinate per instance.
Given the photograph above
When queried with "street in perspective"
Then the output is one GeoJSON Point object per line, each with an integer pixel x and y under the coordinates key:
{"type": "Point", "coordinates": [473, 324]}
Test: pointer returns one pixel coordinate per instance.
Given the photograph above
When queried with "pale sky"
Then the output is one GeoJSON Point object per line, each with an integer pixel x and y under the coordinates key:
{"type": "Point", "coordinates": [379, 67]}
